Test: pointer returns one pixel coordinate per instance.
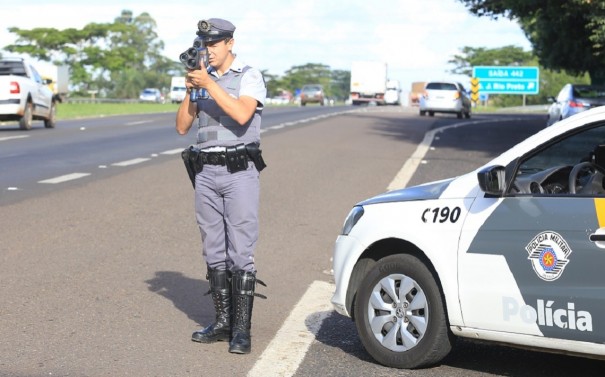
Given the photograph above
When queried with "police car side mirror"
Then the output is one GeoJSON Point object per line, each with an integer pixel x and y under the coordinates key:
{"type": "Point", "coordinates": [492, 180]}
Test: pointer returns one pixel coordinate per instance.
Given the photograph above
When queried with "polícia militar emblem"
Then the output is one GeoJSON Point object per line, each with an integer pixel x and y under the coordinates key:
{"type": "Point", "coordinates": [549, 254]}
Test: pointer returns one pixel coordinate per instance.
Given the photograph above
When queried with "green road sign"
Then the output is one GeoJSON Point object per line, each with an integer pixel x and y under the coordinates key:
{"type": "Point", "coordinates": [508, 80]}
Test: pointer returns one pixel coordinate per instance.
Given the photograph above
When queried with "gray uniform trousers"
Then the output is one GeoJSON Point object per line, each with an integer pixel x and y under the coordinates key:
{"type": "Point", "coordinates": [226, 207]}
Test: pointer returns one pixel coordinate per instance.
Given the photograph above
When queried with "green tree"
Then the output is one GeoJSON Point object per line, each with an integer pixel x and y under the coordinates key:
{"type": "Point", "coordinates": [310, 73]}
{"type": "Point", "coordinates": [70, 46]}
{"type": "Point", "coordinates": [138, 62]}
{"type": "Point", "coordinates": [274, 84]}
{"type": "Point", "coordinates": [113, 58]}
{"type": "Point", "coordinates": [504, 56]}
{"type": "Point", "coordinates": [336, 83]}
{"type": "Point", "coordinates": [566, 35]}
{"type": "Point", "coordinates": [341, 84]}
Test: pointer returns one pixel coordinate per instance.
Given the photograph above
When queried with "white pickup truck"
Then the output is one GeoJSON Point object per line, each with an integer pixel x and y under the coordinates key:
{"type": "Point", "coordinates": [24, 95]}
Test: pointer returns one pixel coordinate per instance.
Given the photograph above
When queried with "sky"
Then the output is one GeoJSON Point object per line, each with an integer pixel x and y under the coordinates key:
{"type": "Point", "coordinates": [416, 38]}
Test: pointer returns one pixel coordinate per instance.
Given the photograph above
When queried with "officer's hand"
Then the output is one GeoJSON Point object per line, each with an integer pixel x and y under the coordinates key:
{"type": "Point", "coordinates": [188, 83]}
{"type": "Point", "coordinates": [198, 78]}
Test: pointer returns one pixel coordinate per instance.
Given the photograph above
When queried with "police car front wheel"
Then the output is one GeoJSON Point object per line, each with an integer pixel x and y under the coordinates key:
{"type": "Point", "coordinates": [400, 315]}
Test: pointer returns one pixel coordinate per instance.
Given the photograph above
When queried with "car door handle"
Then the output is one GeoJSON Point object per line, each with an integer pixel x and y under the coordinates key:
{"type": "Point", "coordinates": [597, 237]}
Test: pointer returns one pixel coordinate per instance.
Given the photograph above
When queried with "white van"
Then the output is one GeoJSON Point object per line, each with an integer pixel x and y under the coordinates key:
{"type": "Point", "coordinates": [177, 89]}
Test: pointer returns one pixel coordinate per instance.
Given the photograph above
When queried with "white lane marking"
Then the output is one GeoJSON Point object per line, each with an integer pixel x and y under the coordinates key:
{"type": "Point", "coordinates": [13, 137]}
{"type": "Point", "coordinates": [131, 162]}
{"type": "Point", "coordinates": [64, 178]}
{"type": "Point", "coordinates": [137, 122]}
{"type": "Point", "coordinates": [409, 167]}
{"type": "Point", "coordinates": [294, 123]}
{"type": "Point", "coordinates": [287, 350]}
{"type": "Point", "coordinates": [173, 151]}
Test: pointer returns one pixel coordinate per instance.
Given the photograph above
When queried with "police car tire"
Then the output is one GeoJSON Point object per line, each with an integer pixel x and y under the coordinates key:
{"type": "Point", "coordinates": [437, 340]}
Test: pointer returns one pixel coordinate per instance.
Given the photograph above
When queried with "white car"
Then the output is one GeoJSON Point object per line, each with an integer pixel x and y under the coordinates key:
{"type": "Point", "coordinates": [25, 95]}
{"type": "Point", "coordinates": [512, 252]}
{"type": "Point", "coordinates": [151, 95]}
{"type": "Point", "coordinates": [445, 97]}
{"type": "Point", "coordinates": [178, 90]}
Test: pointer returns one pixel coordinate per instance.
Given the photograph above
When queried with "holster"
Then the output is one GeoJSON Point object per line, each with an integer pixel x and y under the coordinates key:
{"type": "Point", "coordinates": [192, 162]}
{"type": "Point", "coordinates": [255, 154]}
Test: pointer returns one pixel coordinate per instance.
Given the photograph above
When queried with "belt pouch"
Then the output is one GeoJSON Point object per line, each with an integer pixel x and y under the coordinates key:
{"type": "Point", "coordinates": [237, 158]}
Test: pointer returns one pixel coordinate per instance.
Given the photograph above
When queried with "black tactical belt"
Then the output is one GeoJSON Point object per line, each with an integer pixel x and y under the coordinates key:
{"type": "Point", "coordinates": [213, 158]}
{"type": "Point", "coordinates": [236, 159]}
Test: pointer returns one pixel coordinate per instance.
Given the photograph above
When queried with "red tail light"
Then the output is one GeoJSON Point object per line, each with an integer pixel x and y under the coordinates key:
{"type": "Point", "coordinates": [575, 104]}
{"type": "Point", "coordinates": [456, 95]}
{"type": "Point", "coordinates": [14, 87]}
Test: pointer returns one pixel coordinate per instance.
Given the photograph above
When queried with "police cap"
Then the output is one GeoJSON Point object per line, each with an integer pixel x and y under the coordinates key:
{"type": "Point", "coordinates": [215, 29]}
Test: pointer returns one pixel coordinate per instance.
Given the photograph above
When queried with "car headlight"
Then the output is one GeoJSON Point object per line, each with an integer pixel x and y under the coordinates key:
{"type": "Point", "coordinates": [352, 219]}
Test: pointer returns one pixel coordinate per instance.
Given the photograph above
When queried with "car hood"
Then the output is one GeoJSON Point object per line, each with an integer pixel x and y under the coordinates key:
{"type": "Point", "coordinates": [432, 190]}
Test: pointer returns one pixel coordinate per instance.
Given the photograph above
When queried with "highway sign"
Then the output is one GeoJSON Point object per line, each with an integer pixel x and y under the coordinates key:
{"type": "Point", "coordinates": [508, 80]}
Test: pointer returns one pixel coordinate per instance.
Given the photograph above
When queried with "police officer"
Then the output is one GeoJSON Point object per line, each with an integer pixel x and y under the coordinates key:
{"type": "Point", "coordinates": [228, 107]}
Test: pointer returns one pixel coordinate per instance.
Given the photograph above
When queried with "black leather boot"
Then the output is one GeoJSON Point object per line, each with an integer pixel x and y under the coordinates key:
{"type": "Point", "coordinates": [244, 283]}
{"type": "Point", "coordinates": [220, 287]}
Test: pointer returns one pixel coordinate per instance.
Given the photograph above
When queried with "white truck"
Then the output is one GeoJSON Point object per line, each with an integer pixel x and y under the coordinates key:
{"type": "Point", "coordinates": [59, 76]}
{"type": "Point", "coordinates": [24, 95]}
{"type": "Point", "coordinates": [393, 93]}
{"type": "Point", "coordinates": [368, 82]}
{"type": "Point", "coordinates": [177, 89]}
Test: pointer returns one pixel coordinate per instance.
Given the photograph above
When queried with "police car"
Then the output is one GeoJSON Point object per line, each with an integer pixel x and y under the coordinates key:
{"type": "Point", "coordinates": [513, 252]}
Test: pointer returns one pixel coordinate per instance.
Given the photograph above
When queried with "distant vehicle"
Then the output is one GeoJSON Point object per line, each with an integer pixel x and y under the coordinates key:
{"type": "Point", "coordinates": [151, 95]}
{"type": "Point", "coordinates": [393, 94]}
{"type": "Point", "coordinates": [368, 82]}
{"type": "Point", "coordinates": [178, 90]}
{"type": "Point", "coordinates": [279, 100]}
{"type": "Point", "coordinates": [445, 97]}
{"type": "Point", "coordinates": [417, 92]}
{"type": "Point", "coordinates": [59, 80]}
{"type": "Point", "coordinates": [312, 94]}
{"type": "Point", "coordinates": [24, 95]}
{"type": "Point", "coordinates": [511, 253]}
{"type": "Point", "coordinates": [573, 99]}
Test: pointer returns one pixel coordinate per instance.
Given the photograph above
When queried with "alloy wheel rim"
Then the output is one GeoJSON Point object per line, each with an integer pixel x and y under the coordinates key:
{"type": "Point", "coordinates": [398, 312]}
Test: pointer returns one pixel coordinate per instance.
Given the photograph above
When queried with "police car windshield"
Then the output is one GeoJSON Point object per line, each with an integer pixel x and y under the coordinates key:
{"type": "Point", "coordinates": [569, 151]}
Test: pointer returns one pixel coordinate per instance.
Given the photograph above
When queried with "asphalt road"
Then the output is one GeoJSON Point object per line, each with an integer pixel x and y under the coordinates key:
{"type": "Point", "coordinates": [31, 162]}
{"type": "Point", "coordinates": [103, 276]}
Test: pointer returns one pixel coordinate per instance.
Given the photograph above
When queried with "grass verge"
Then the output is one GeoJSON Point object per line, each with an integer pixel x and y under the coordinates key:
{"type": "Point", "coordinates": [83, 110]}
